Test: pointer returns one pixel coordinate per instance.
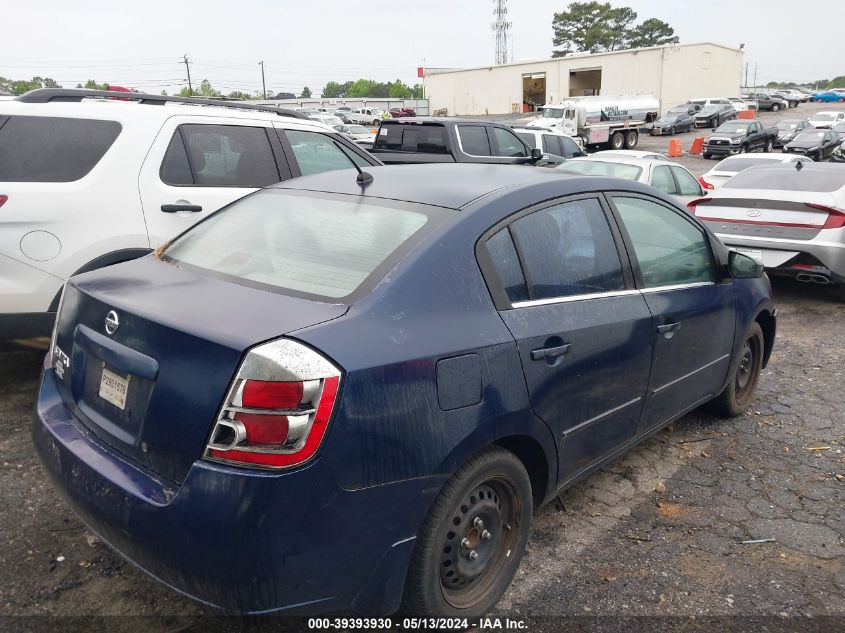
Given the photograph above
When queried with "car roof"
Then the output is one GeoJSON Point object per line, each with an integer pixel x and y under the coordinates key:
{"type": "Point", "coordinates": [626, 160]}
{"type": "Point", "coordinates": [444, 185]}
{"type": "Point", "coordinates": [626, 153]}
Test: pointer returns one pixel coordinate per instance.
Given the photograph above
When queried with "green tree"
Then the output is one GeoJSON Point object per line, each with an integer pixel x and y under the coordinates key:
{"type": "Point", "coordinates": [306, 93]}
{"type": "Point", "coordinates": [398, 90]}
{"type": "Point", "coordinates": [419, 92]}
{"type": "Point", "coordinates": [652, 32]}
{"type": "Point", "coordinates": [836, 82]}
{"type": "Point", "coordinates": [363, 88]}
{"type": "Point", "coordinates": [619, 21]}
{"type": "Point", "coordinates": [20, 86]}
{"type": "Point", "coordinates": [92, 84]}
{"type": "Point", "coordinates": [240, 96]}
{"type": "Point", "coordinates": [204, 90]}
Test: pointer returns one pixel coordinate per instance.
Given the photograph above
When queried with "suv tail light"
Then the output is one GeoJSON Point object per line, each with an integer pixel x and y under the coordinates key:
{"type": "Point", "coordinates": [704, 183]}
{"type": "Point", "coordinates": [692, 204]}
{"type": "Point", "coordinates": [3, 198]}
{"type": "Point", "coordinates": [835, 217]}
{"type": "Point", "coordinates": [278, 408]}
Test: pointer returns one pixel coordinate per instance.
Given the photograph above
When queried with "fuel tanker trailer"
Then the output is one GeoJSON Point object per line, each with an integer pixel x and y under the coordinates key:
{"type": "Point", "coordinates": [614, 122]}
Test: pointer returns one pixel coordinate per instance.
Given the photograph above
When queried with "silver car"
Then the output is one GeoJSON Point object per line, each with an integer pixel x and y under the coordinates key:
{"type": "Point", "coordinates": [790, 217]}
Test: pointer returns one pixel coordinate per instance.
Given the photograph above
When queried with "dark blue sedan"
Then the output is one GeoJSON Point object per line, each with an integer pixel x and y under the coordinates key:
{"type": "Point", "coordinates": [329, 398]}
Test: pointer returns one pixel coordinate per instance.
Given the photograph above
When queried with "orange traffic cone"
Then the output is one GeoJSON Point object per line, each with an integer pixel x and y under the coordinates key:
{"type": "Point", "coordinates": [675, 148]}
{"type": "Point", "coordinates": [697, 145]}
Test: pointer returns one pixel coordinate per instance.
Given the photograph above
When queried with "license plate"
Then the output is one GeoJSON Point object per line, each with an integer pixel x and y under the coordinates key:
{"type": "Point", "coordinates": [755, 255]}
{"type": "Point", "coordinates": [113, 388]}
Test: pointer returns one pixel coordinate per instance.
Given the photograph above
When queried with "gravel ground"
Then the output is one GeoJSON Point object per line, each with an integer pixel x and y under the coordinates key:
{"type": "Point", "coordinates": [658, 533]}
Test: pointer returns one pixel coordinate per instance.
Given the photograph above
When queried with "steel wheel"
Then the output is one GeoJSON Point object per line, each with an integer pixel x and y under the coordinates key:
{"type": "Point", "coordinates": [770, 146]}
{"type": "Point", "coordinates": [748, 370]}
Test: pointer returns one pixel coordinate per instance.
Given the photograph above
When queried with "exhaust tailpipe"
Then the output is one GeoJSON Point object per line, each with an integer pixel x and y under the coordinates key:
{"type": "Point", "coordinates": [812, 278]}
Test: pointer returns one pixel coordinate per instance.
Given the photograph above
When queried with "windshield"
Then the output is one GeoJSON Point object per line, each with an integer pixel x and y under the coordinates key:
{"type": "Point", "coordinates": [709, 109]}
{"type": "Point", "coordinates": [738, 163]}
{"type": "Point", "coordinates": [306, 243]}
{"type": "Point", "coordinates": [824, 116]}
{"type": "Point", "coordinates": [678, 110]}
{"type": "Point", "coordinates": [809, 137]}
{"type": "Point", "coordinates": [785, 126]}
{"type": "Point", "coordinates": [789, 179]}
{"type": "Point", "coordinates": [733, 127]}
{"type": "Point", "coordinates": [553, 113]}
{"type": "Point", "coordinates": [602, 168]}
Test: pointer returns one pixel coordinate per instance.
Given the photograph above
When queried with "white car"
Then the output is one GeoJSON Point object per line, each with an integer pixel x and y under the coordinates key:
{"type": "Point", "coordinates": [356, 132]}
{"type": "Point", "coordinates": [740, 105]}
{"type": "Point", "coordinates": [326, 119]}
{"type": "Point", "coordinates": [826, 118]}
{"type": "Point", "coordinates": [630, 153]}
{"type": "Point", "coordinates": [732, 165]}
{"type": "Point", "coordinates": [365, 116]}
{"type": "Point", "coordinates": [666, 176]}
{"type": "Point", "coordinates": [550, 141]}
{"type": "Point", "coordinates": [87, 181]}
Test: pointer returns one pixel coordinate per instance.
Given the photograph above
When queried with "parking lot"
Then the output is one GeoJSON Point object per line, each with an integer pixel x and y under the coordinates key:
{"type": "Point", "coordinates": [667, 530]}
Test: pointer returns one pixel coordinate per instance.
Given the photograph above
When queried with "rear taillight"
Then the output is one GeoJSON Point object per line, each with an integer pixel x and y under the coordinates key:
{"type": "Point", "coordinates": [835, 217]}
{"type": "Point", "coordinates": [3, 199]}
{"type": "Point", "coordinates": [704, 183]}
{"type": "Point", "coordinates": [278, 409]}
{"type": "Point", "coordinates": [692, 204]}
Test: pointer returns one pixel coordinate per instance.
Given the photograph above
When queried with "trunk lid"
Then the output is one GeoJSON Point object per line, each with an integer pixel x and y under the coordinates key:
{"type": "Point", "coordinates": [151, 388]}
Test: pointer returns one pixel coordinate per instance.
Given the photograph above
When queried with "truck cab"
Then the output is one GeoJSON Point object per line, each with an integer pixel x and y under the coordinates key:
{"type": "Point", "coordinates": [562, 116]}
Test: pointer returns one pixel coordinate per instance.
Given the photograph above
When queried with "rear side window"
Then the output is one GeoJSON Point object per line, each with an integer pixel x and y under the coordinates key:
{"type": "Point", "coordinates": [529, 138]}
{"type": "Point", "coordinates": [568, 249]}
{"type": "Point", "coordinates": [474, 140]}
{"type": "Point", "coordinates": [502, 252]}
{"type": "Point", "coordinates": [429, 139]}
{"type": "Point", "coordinates": [662, 179]}
{"type": "Point", "coordinates": [687, 184]}
{"type": "Point", "coordinates": [308, 244]}
{"type": "Point", "coordinates": [219, 156]}
{"type": "Point", "coordinates": [570, 147]}
{"type": "Point", "coordinates": [52, 149]}
{"type": "Point", "coordinates": [551, 145]}
{"type": "Point", "coordinates": [316, 153]}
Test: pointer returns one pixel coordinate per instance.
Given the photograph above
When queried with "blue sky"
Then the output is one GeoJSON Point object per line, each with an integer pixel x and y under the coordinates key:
{"type": "Point", "coordinates": [141, 44]}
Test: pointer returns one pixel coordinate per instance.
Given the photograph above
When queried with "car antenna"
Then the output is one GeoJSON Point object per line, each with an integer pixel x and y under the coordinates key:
{"type": "Point", "coordinates": [364, 177]}
{"type": "Point", "coordinates": [799, 165]}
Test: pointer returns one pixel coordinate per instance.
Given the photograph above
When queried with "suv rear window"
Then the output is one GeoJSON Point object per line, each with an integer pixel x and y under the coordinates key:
{"type": "Point", "coordinates": [315, 245]}
{"type": "Point", "coordinates": [429, 139]}
{"type": "Point", "coordinates": [52, 149]}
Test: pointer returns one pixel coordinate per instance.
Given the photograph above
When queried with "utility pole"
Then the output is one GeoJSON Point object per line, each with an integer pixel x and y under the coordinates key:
{"type": "Point", "coordinates": [746, 75]}
{"type": "Point", "coordinates": [263, 86]}
{"type": "Point", "coordinates": [188, 68]}
{"type": "Point", "coordinates": [755, 76]}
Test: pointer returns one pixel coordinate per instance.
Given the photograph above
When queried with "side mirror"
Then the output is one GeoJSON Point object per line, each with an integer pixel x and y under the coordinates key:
{"type": "Point", "coordinates": [536, 155]}
{"type": "Point", "coordinates": [744, 267]}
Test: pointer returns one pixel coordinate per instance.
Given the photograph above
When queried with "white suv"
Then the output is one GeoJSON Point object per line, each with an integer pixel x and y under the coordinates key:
{"type": "Point", "coordinates": [90, 178]}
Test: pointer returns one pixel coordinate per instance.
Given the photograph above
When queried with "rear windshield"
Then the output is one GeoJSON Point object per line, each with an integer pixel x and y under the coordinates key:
{"type": "Point", "coordinates": [52, 149]}
{"type": "Point", "coordinates": [308, 244]}
{"type": "Point", "coordinates": [738, 164]}
{"type": "Point", "coordinates": [428, 139]}
{"type": "Point", "coordinates": [602, 168]}
{"type": "Point", "coordinates": [780, 178]}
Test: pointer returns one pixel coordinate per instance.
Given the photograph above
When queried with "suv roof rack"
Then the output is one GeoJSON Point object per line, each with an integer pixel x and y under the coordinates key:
{"type": "Point", "coordinates": [48, 95]}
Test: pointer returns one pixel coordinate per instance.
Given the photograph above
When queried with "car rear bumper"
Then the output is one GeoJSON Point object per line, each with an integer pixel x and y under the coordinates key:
{"type": "Point", "coordinates": [830, 255]}
{"type": "Point", "coordinates": [240, 540]}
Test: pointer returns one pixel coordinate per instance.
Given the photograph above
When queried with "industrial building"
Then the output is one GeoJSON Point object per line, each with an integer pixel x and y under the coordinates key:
{"type": "Point", "coordinates": [671, 73]}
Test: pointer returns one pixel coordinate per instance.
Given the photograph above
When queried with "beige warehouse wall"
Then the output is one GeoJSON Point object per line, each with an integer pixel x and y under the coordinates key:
{"type": "Point", "coordinates": [672, 74]}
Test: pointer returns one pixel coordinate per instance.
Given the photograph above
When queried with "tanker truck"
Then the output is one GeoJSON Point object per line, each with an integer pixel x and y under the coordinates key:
{"type": "Point", "coordinates": [614, 122]}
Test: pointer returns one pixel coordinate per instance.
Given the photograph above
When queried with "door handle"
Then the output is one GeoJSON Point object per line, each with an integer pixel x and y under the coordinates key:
{"type": "Point", "coordinates": [546, 353]}
{"type": "Point", "coordinates": [173, 208]}
{"type": "Point", "coordinates": [668, 329]}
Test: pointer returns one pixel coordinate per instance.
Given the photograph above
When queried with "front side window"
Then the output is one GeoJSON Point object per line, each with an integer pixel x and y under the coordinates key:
{"type": "Point", "coordinates": [567, 250]}
{"type": "Point", "coordinates": [669, 248]}
{"type": "Point", "coordinates": [508, 143]}
{"type": "Point", "coordinates": [316, 153]}
{"type": "Point", "coordinates": [474, 140]}
{"type": "Point", "coordinates": [219, 156]}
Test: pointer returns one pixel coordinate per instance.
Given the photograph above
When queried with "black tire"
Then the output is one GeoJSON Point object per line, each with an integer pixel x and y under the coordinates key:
{"type": "Point", "coordinates": [672, 131]}
{"type": "Point", "coordinates": [775, 107]}
{"type": "Point", "coordinates": [743, 149]}
{"type": "Point", "coordinates": [705, 156]}
{"type": "Point", "coordinates": [737, 396]}
{"type": "Point", "coordinates": [770, 145]}
{"type": "Point", "coordinates": [443, 579]}
{"type": "Point", "coordinates": [617, 141]}
{"type": "Point", "coordinates": [714, 122]}
{"type": "Point", "coordinates": [631, 139]}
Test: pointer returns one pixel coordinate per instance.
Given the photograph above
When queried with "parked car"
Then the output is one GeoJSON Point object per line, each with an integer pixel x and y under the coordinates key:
{"type": "Point", "coordinates": [839, 128]}
{"type": "Point", "coordinates": [356, 132]}
{"type": "Point", "coordinates": [678, 119]}
{"type": "Point", "coordinates": [347, 117]}
{"type": "Point", "coordinates": [729, 167]}
{"type": "Point", "coordinates": [713, 115]}
{"type": "Point", "coordinates": [334, 447]}
{"type": "Point", "coordinates": [703, 102]}
{"type": "Point", "coordinates": [365, 116]}
{"type": "Point", "coordinates": [670, 178]}
{"type": "Point", "coordinates": [826, 119]}
{"type": "Point", "coordinates": [817, 144]}
{"type": "Point", "coordinates": [768, 102]}
{"type": "Point", "coordinates": [803, 97]}
{"type": "Point", "coordinates": [438, 140]}
{"type": "Point", "coordinates": [741, 105]}
{"type": "Point", "coordinates": [550, 141]}
{"type": "Point", "coordinates": [788, 128]}
{"type": "Point", "coordinates": [630, 153]}
{"type": "Point", "coordinates": [398, 113]}
{"type": "Point", "coordinates": [830, 96]}
{"type": "Point", "coordinates": [787, 216]}
{"type": "Point", "coordinates": [87, 180]}
{"type": "Point", "coordinates": [326, 119]}
{"type": "Point", "coordinates": [738, 137]}
{"type": "Point", "coordinates": [793, 101]}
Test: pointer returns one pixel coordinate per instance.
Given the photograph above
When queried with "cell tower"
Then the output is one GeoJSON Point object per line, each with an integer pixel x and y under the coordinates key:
{"type": "Point", "coordinates": [501, 26]}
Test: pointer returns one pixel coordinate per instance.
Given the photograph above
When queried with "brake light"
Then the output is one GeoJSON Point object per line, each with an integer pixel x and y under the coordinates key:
{"type": "Point", "coordinates": [692, 204]}
{"type": "Point", "coordinates": [3, 199]}
{"type": "Point", "coordinates": [704, 183]}
{"type": "Point", "coordinates": [835, 217]}
{"type": "Point", "coordinates": [278, 408]}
